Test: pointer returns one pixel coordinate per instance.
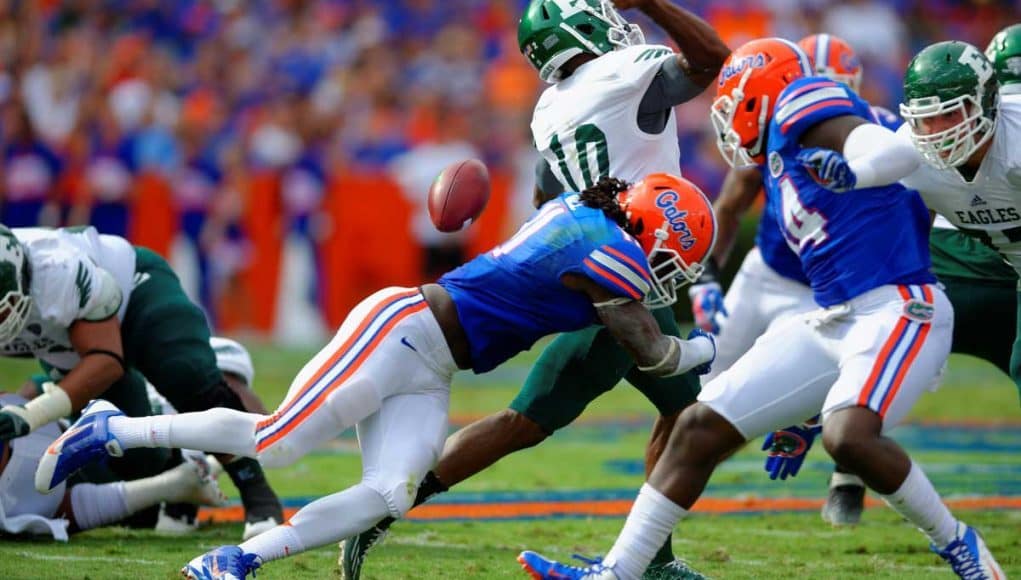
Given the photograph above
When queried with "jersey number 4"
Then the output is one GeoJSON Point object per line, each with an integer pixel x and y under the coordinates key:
{"type": "Point", "coordinates": [589, 145]}
{"type": "Point", "coordinates": [801, 224]}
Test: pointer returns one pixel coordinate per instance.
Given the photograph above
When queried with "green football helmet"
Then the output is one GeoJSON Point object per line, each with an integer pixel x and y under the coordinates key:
{"type": "Point", "coordinates": [16, 303]}
{"type": "Point", "coordinates": [552, 32]}
{"type": "Point", "coordinates": [946, 78]}
{"type": "Point", "coordinates": [1005, 54]}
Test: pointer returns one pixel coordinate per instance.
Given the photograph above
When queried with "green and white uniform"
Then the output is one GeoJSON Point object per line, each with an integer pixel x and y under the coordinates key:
{"type": "Point", "coordinates": [75, 274]}
{"type": "Point", "coordinates": [79, 274]}
{"type": "Point", "coordinates": [989, 206]}
{"type": "Point", "coordinates": [612, 117]}
{"type": "Point", "coordinates": [586, 125]}
{"type": "Point", "coordinates": [981, 286]}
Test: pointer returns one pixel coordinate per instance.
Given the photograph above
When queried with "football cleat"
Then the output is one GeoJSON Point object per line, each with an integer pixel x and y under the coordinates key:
{"type": "Point", "coordinates": [969, 556]}
{"type": "Point", "coordinates": [174, 521]}
{"type": "Point", "coordinates": [845, 501]}
{"type": "Point", "coordinates": [353, 549]}
{"type": "Point", "coordinates": [223, 563]}
{"type": "Point", "coordinates": [86, 441]}
{"type": "Point", "coordinates": [542, 568]}
{"type": "Point", "coordinates": [676, 570]}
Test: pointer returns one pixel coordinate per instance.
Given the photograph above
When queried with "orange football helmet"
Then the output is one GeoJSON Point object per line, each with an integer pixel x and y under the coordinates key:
{"type": "Point", "coordinates": [750, 82]}
{"type": "Point", "coordinates": [833, 58]}
{"type": "Point", "coordinates": [674, 223]}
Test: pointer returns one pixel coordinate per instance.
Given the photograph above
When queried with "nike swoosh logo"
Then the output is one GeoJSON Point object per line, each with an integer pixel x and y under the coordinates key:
{"type": "Point", "coordinates": [404, 341]}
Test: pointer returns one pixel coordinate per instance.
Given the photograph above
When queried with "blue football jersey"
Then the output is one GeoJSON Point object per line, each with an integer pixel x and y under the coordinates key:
{"type": "Point", "coordinates": [849, 243]}
{"type": "Point", "coordinates": [512, 295]}
{"type": "Point", "coordinates": [773, 247]}
{"type": "Point", "coordinates": [886, 118]}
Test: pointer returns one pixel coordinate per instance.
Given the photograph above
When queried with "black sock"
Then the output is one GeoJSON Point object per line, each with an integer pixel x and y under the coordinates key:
{"type": "Point", "coordinates": [257, 496]}
{"type": "Point", "coordinates": [665, 555]}
{"type": "Point", "coordinates": [429, 487]}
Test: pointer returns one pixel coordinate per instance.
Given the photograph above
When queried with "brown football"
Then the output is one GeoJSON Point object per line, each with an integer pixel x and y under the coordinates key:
{"type": "Point", "coordinates": [458, 194]}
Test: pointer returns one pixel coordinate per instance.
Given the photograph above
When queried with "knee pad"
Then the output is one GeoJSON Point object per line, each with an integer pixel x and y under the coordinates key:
{"type": "Point", "coordinates": [398, 491]}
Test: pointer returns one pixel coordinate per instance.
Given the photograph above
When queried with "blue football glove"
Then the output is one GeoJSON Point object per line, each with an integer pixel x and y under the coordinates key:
{"type": "Point", "coordinates": [707, 305]}
{"type": "Point", "coordinates": [706, 366]}
{"type": "Point", "coordinates": [787, 448]}
{"type": "Point", "coordinates": [828, 168]}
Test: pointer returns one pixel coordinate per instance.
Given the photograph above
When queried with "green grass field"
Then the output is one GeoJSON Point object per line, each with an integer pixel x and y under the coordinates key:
{"type": "Point", "coordinates": [967, 436]}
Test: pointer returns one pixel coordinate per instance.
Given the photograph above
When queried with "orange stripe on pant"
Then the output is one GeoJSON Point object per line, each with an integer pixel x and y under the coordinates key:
{"type": "Point", "coordinates": [326, 366]}
{"type": "Point", "coordinates": [919, 340]}
{"type": "Point", "coordinates": [869, 388]}
{"type": "Point", "coordinates": [344, 376]}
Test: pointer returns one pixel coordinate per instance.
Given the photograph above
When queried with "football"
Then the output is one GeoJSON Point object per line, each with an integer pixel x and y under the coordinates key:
{"type": "Point", "coordinates": [458, 194]}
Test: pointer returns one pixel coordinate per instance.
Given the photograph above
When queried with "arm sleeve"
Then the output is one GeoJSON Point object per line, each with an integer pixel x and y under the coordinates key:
{"type": "Point", "coordinates": [620, 267]}
{"type": "Point", "coordinates": [670, 87]}
{"type": "Point", "coordinates": [879, 156]}
{"type": "Point", "coordinates": [546, 180]}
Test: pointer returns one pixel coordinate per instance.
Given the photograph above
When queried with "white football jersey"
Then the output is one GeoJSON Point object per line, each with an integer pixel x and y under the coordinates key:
{"type": "Point", "coordinates": [76, 273]}
{"type": "Point", "coordinates": [991, 203]}
{"type": "Point", "coordinates": [586, 126]}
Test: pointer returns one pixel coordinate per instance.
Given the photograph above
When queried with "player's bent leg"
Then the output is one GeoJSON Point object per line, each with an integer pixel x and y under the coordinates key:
{"type": "Point", "coordinates": [93, 505]}
{"type": "Point", "coordinates": [985, 319]}
{"type": "Point", "coordinates": [470, 450]}
{"type": "Point", "coordinates": [399, 444]}
{"type": "Point", "coordinates": [700, 439]}
{"type": "Point", "coordinates": [572, 371]}
{"type": "Point", "coordinates": [503, 433]}
{"type": "Point", "coordinates": [852, 436]}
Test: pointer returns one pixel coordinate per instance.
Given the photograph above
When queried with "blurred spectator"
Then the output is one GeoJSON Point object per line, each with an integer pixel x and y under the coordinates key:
{"type": "Point", "coordinates": [206, 97]}
{"type": "Point", "coordinates": [30, 172]}
{"type": "Point", "coordinates": [415, 171]}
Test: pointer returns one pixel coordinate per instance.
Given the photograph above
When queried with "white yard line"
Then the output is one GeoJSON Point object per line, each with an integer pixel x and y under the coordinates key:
{"type": "Point", "coordinates": [86, 558]}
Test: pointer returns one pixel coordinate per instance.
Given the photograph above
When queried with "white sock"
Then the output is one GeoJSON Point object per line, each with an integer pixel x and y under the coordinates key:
{"type": "Point", "coordinates": [275, 543]}
{"type": "Point", "coordinates": [134, 432]}
{"type": "Point", "coordinates": [216, 430]}
{"type": "Point", "coordinates": [97, 505]}
{"type": "Point", "coordinates": [652, 518]}
{"type": "Point", "coordinates": [919, 503]}
{"type": "Point", "coordinates": [324, 521]}
{"type": "Point", "coordinates": [172, 486]}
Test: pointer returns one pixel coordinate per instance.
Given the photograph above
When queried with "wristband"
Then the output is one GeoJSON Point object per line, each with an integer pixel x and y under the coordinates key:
{"type": "Point", "coordinates": [53, 404]}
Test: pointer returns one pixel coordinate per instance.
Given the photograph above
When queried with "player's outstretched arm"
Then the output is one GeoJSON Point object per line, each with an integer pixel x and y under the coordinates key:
{"type": "Point", "coordinates": [636, 330]}
{"type": "Point", "coordinates": [872, 155]}
{"type": "Point", "coordinates": [702, 49]}
{"type": "Point", "coordinates": [99, 345]}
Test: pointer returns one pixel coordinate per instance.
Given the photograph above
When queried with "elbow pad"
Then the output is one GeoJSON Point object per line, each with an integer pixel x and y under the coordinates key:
{"type": "Point", "coordinates": [878, 156]}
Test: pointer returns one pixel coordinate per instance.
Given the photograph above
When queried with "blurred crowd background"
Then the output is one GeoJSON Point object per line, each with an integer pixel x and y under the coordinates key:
{"type": "Point", "coordinates": [279, 151]}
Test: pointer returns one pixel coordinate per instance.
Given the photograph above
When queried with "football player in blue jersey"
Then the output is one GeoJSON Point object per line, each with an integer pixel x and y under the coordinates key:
{"type": "Point", "coordinates": [879, 339]}
{"type": "Point", "coordinates": [603, 255]}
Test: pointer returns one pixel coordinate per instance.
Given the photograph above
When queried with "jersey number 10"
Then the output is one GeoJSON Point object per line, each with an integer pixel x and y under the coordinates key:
{"type": "Point", "coordinates": [588, 140]}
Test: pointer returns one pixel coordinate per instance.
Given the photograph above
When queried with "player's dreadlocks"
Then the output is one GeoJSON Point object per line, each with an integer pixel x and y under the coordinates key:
{"type": "Point", "coordinates": [603, 196]}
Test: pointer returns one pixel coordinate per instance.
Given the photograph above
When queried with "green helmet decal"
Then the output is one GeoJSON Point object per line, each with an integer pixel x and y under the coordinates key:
{"type": "Point", "coordinates": [950, 78]}
{"type": "Point", "coordinates": [552, 32]}
{"type": "Point", "coordinates": [15, 301]}
{"type": "Point", "coordinates": [1005, 54]}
